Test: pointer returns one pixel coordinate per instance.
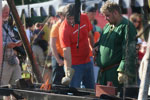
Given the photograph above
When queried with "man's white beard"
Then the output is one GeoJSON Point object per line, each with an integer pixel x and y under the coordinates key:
{"type": "Point", "coordinates": [6, 19]}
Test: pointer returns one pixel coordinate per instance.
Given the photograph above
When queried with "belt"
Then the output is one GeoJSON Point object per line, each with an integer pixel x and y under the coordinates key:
{"type": "Point", "coordinates": [108, 67]}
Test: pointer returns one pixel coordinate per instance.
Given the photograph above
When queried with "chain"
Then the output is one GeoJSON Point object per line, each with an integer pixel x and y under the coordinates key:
{"type": "Point", "coordinates": [136, 66]}
{"type": "Point", "coordinates": [127, 49]}
{"type": "Point", "coordinates": [126, 59]}
{"type": "Point", "coordinates": [127, 55]}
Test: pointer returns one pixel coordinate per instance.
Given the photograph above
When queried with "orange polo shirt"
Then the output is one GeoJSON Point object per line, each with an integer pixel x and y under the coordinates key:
{"type": "Point", "coordinates": [55, 34]}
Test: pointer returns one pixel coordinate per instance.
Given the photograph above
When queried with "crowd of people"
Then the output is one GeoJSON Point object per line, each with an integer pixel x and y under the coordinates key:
{"type": "Point", "coordinates": [75, 50]}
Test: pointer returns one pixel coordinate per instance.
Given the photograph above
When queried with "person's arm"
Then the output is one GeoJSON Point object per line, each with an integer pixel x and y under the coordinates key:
{"type": "Point", "coordinates": [54, 51]}
{"type": "Point", "coordinates": [67, 57]}
{"type": "Point", "coordinates": [91, 39]}
{"type": "Point", "coordinates": [7, 43]}
{"type": "Point", "coordinates": [69, 72]}
{"type": "Point", "coordinates": [13, 44]}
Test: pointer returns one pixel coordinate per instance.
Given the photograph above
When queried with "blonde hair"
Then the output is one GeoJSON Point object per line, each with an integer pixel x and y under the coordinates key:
{"type": "Point", "coordinates": [60, 10]}
{"type": "Point", "coordinates": [139, 28]}
{"type": "Point", "coordinates": [110, 6]}
{"type": "Point", "coordinates": [135, 16]}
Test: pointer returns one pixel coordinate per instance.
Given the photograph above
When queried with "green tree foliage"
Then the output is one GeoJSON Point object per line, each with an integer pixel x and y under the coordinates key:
{"type": "Point", "coordinates": [19, 2]}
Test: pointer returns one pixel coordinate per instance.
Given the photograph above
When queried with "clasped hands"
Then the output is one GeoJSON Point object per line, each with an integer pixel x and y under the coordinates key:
{"type": "Point", "coordinates": [14, 44]}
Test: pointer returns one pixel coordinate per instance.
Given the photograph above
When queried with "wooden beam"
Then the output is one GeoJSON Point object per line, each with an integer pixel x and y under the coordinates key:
{"type": "Point", "coordinates": [26, 43]}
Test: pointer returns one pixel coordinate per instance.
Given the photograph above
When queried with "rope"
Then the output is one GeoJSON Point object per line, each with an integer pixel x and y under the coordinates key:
{"type": "Point", "coordinates": [45, 21]}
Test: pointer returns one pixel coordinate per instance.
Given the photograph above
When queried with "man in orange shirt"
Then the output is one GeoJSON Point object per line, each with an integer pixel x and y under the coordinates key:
{"type": "Point", "coordinates": [76, 60]}
{"type": "Point", "coordinates": [57, 57]}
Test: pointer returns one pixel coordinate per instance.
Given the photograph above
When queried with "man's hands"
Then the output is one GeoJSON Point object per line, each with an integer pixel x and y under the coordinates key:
{"type": "Point", "coordinates": [18, 43]}
{"type": "Point", "coordinates": [122, 78]}
{"type": "Point", "coordinates": [13, 44]}
{"type": "Point", "coordinates": [60, 62]}
{"type": "Point", "coordinates": [69, 72]}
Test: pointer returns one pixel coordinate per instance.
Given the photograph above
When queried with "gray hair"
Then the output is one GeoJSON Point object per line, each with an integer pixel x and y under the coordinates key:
{"type": "Point", "coordinates": [4, 4]}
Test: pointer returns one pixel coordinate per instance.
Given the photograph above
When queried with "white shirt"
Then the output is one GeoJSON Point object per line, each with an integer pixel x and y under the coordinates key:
{"type": "Point", "coordinates": [29, 34]}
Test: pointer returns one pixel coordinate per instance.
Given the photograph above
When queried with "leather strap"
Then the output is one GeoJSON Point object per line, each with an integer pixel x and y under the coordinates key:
{"type": "Point", "coordinates": [108, 67]}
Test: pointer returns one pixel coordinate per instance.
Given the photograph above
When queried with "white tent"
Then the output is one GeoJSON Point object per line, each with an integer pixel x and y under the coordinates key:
{"type": "Point", "coordinates": [45, 8]}
{"type": "Point", "coordinates": [39, 9]}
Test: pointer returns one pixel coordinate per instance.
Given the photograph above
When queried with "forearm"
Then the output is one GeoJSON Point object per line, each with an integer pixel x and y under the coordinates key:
{"type": "Point", "coordinates": [91, 39]}
{"type": "Point", "coordinates": [54, 49]}
{"type": "Point", "coordinates": [67, 57]}
{"type": "Point", "coordinates": [55, 54]}
{"type": "Point", "coordinates": [69, 71]}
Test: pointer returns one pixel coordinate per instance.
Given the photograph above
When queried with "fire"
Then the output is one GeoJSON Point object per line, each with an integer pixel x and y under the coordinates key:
{"type": "Point", "coordinates": [46, 85]}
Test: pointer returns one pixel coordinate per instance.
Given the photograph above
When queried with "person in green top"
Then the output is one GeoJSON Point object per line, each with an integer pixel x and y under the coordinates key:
{"type": "Point", "coordinates": [117, 53]}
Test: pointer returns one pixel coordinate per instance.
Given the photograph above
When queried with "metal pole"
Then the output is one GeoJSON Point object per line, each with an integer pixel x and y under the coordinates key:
{"type": "Point", "coordinates": [29, 11]}
{"type": "Point", "coordinates": [144, 86]}
{"type": "Point", "coordinates": [25, 41]}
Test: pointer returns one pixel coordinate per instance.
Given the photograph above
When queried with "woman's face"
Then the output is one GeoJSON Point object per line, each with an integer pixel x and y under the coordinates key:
{"type": "Point", "coordinates": [136, 22]}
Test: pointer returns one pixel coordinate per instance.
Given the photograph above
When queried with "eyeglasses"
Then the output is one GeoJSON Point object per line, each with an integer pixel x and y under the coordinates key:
{"type": "Point", "coordinates": [136, 21]}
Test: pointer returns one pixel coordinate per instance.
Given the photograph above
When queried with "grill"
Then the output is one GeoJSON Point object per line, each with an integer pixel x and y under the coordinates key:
{"type": "Point", "coordinates": [57, 92]}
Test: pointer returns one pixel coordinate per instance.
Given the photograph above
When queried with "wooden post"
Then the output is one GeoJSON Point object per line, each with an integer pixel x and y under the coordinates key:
{"type": "Point", "coordinates": [1, 39]}
{"type": "Point", "coordinates": [144, 86]}
{"type": "Point", "coordinates": [25, 40]}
